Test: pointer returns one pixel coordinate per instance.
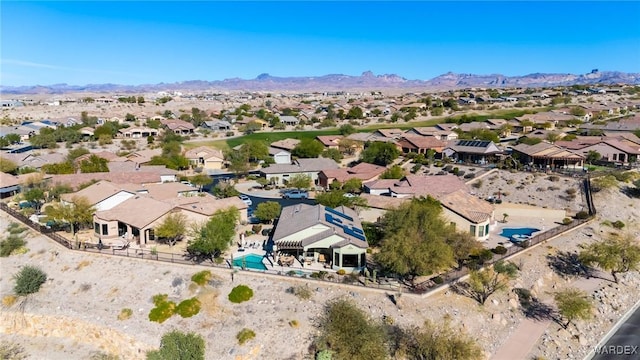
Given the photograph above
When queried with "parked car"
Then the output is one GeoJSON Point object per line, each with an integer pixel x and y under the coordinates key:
{"type": "Point", "coordinates": [246, 199]}
{"type": "Point", "coordinates": [296, 194]}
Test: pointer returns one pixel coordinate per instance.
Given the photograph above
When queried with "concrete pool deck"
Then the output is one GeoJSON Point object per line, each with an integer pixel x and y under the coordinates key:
{"type": "Point", "coordinates": [521, 216]}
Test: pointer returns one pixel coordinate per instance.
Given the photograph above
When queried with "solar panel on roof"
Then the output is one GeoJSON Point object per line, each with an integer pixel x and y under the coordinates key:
{"type": "Point", "coordinates": [336, 212]}
{"type": "Point", "coordinates": [349, 231]}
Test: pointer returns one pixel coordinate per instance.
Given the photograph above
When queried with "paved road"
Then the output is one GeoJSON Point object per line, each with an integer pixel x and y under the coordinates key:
{"type": "Point", "coordinates": [625, 343]}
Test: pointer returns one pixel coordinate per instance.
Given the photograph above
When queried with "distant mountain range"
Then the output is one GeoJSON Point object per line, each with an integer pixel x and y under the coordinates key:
{"type": "Point", "coordinates": [338, 82]}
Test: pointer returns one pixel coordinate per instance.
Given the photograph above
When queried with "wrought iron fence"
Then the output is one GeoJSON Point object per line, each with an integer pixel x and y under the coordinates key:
{"type": "Point", "coordinates": [381, 283]}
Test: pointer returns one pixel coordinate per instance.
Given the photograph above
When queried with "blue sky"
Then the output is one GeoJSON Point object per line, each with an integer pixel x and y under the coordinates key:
{"type": "Point", "coordinates": [145, 42]}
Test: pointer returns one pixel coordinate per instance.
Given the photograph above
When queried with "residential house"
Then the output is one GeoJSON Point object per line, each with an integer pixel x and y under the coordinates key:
{"type": "Point", "coordinates": [320, 234]}
{"type": "Point", "coordinates": [389, 134]}
{"type": "Point", "coordinates": [330, 141]}
{"type": "Point", "coordinates": [624, 125]}
{"type": "Point", "coordinates": [285, 144]}
{"type": "Point", "coordinates": [37, 160]}
{"type": "Point", "coordinates": [9, 185]}
{"type": "Point", "coordinates": [280, 156]}
{"type": "Point", "coordinates": [472, 151]}
{"type": "Point", "coordinates": [468, 213]}
{"type": "Point", "coordinates": [421, 185]}
{"type": "Point", "coordinates": [545, 155]}
{"type": "Point", "coordinates": [476, 125]}
{"type": "Point", "coordinates": [216, 125]}
{"type": "Point", "coordinates": [140, 209]}
{"type": "Point", "coordinates": [363, 171]}
{"type": "Point", "coordinates": [433, 131]}
{"type": "Point", "coordinates": [205, 157]}
{"type": "Point", "coordinates": [547, 118]}
{"type": "Point", "coordinates": [103, 195]}
{"type": "Point", "coordinates": [465, 211]}
{"type": "Point", "coordinates": [178, 126]}
{"type": "Point", "coordinates": [133, 219]}
{"type": "Point", "coordinates": [279, 174]}
{"type": "Point", "coordinates": [421, 144]}
{"type": "Point", "coordinates": [610, 149]}
{"type": "Point", "coordinates": [289, 120]}
{"type": "Point", "coordinates": [138, 132]}
{"type": "Point", "coordinates": [143, 156]}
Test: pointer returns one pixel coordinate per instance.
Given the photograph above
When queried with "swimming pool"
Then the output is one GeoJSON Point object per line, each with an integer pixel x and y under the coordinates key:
{"type": "Point", "coordinates": [251, 261]}
{"type": "Point", "coordinates": [518, 234]}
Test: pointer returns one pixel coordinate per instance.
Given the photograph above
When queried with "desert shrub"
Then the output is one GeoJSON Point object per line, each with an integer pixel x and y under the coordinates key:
{"type": "Point", "coordinates": [14, 228]}
{"type": "Point", "coordinates": [28, 280]}
{"type": "Point", "coordinates": [9, 300]}
{"type": "Point", "coordinates": [256, 228]}
{"type": "Point", "coordinates": [85, 287]}
{"type": "Point", "coordinates": [571, 191]}
{"type": "Point", "coordinates": [164, 308]}
{"type": "Point", "coordinates": [245, 335]}
{"type": "Point", "coordinates": [477, 184]}
{"type": "Point", "coordinates": [294, 323]}
{"type": "Point", "coordinates": [438, 280]}
{"type": "Point", "coordinates": [201, 278]}
{"type": "Point", "coordinates": [455, 171]}
{"type": "Point", "coordinates": [103, 356]}
{"type": "Point", "coordinates": [302, 292]}
{"type": "Point", "coordinates": [178, 345]}
{"type": "Point", "coordinates": [469, 175]}
{"type": "Point", "coordinates": [438, 164]}
{"type": "Point", "coordinates": [553, 178]}
{"type": "Point", "coordinates": [324, 355]}
{"type": "Point", "coordinates": [500, 250]}
{"type": "Point", "coordinates": [341, 272]}
{"type": "Point", "coordinates": [12, 351]}
{"type": "Point", "coordinates": [240, 293]}
{"type": "Point", "coordinates": [9, 245]}
{"type": "Point", "coordinates": [566, 221]}
{"type": "Point", "coordinates": [582, 215]}
{"type": "Point", "coordinates": [188, 308]}
{"type": "Point", "coordinates": [125, 314]}
{"type": "Point", "coordinates": [617, 224]}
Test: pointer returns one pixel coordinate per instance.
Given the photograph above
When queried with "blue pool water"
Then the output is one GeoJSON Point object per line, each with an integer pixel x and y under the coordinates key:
{"type": "Point", "coordinates": [251, 261]}
{"type": "Point", "coordinates": [510, 232]}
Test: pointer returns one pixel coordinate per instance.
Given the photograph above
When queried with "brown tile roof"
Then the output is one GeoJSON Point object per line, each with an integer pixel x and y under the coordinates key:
{"type": "Point", "coordinates": [422, 142]}
{"type": "Point", "coordinates": [208, 205]}
{"type": "Point", "coordinates": [8, 180]}
{"type": "Point", "coordinates": [175, 124]}
{"type": "Point", "coordinates": [434, 185]}
{"type": "Point", "coordinates": [144, 156]}
{"type": "Point", "coordinates": [138, 211]}
{"type": "Point", "coordinates": [285, 144]}
{"type": "Point", "coordinates": [466, 205]}
{"type": "Point", "coordinates": [167, 190]}
{"type": "Point", "coordinates": [362, 171]}
{"type": "Point", "coordinates": [139, 177]}
{"type": "Point", "coordinates": [95, 193]}
{"type": "Point", "coordinates": [546, 150]}
{"type": "Point", "coordinates": [329, 140]}
{"type": "Point", "coordinates": [203, 152]}
{"type": "Point", "coordinates": [383, 202]}
{"type": "Point", "coordinates": [390, 133]}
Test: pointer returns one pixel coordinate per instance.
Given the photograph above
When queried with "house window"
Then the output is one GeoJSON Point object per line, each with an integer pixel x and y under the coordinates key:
{"type": "Point", "coordinates": [96, 228]}
{"type": "Point", "coordinates": [152, 234]}
{"type": "Point", "coordinates": [105, 229]}
{"type": "Point", "coordinates": [472, 230]}
{"type": "Point", "coordinates": [615, 157]}
{"type": "Point", "coordinates": [481, 231]}
{"type": "Point", "coordinates": [486, 229]}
